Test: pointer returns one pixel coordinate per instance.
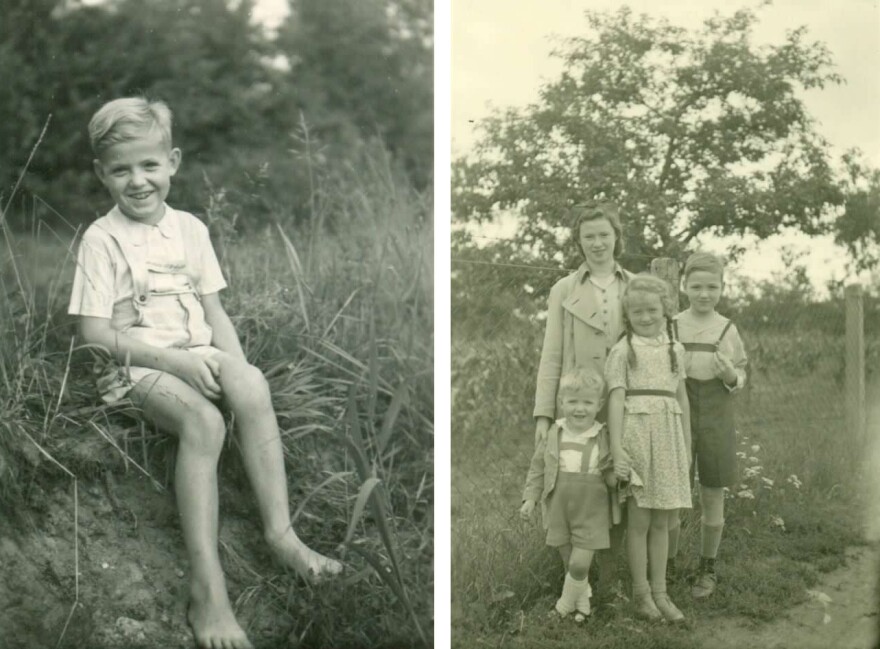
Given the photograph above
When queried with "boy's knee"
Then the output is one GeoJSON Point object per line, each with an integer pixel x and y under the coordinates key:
{"type": "Point", "coordinates": [204, 427]}
{"type": "Point", "coordinates": [246, 384]}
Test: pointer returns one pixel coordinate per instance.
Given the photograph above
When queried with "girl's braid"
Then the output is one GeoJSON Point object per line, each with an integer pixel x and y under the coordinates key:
{"type": "Point", "coordinates": [631, 353]}
{"type": "Point", "coordinates": [672, 357]}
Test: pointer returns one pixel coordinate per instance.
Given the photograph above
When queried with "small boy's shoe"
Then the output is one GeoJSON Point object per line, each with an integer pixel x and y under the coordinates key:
{"type": "Point", "coordinates": [582, 605]}
{"type": "Point", "coordinates": [705, 585]}
{"type": "Point", "coordinates": [669, 610]}
{"type": "Point", "coordinates": [646, 608]}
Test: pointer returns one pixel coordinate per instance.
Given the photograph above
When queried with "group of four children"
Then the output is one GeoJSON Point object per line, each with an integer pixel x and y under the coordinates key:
{"type": "Point", "coordinates": [634, 421]}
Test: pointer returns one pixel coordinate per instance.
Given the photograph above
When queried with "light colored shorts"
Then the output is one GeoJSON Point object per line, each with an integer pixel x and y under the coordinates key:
{"type": "Point", "coordinates": [116, 381]}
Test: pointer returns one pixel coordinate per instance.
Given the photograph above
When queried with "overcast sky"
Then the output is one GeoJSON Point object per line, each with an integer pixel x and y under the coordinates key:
{"type": "Point", "coordinates": [501, 56]}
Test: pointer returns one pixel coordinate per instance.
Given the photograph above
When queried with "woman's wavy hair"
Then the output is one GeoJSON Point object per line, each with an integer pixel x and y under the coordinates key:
{"type": "Point", "coordinates": [652, 285]}
{"type": "Point", "coordinates": [591, 211]}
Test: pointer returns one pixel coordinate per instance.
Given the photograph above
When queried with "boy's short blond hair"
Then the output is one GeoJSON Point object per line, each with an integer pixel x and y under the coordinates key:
{"type": "Point", "coordinates": [129, 118]}
{"type": "Point", "coordinates": [705, 262]}
{"type": "Point", "coordinates": [581, 378]}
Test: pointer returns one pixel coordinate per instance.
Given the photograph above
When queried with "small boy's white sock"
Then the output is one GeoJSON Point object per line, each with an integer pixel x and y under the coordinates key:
{"type": "Point", "coordinates": [571, 591]}
{"type": "Point", "coordinates": [583, 601]}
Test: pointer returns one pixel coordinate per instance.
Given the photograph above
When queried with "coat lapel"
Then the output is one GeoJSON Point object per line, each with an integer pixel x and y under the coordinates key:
{"type": "Point", "coordinates": [582, 303]}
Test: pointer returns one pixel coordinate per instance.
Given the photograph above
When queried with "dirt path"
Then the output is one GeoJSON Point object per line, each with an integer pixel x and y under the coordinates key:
{"type": "Point", "coordinates": [849, 620]}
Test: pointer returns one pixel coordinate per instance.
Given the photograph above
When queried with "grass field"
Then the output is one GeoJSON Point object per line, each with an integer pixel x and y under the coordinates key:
{"type": "Point", "coordinates": [336, 309]}
{"type": "Point", "coordinates": [791, 518]}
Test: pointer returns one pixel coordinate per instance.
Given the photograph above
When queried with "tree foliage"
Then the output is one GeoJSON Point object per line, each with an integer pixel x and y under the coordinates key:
{"type": "Point", "coordinates": [689, 131]}
{"type": "Point", "coordinates": [238, 92]}
{"type": "Point", "coordinates": [858, 227]}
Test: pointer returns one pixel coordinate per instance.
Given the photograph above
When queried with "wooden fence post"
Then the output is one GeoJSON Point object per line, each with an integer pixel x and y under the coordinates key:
{"type": "Point", "coordinates": [856, 416]}
{"type": "Point", "coordinates": [667, 269]}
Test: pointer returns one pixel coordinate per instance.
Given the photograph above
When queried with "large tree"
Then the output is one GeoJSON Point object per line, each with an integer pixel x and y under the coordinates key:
{"type": "Point", "coordinates": [687, 130]}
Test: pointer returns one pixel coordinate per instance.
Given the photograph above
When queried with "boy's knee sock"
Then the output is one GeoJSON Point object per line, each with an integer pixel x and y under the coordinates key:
{"type": "Point", "coordinates": [710, 536]}
{"type": "Point", "coordinates": [571, 590]}
{"type": "Point", "coordinates": [583, 600]}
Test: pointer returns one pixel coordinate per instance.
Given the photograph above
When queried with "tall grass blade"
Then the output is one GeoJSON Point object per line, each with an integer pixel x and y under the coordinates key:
{"type": "Point", "coordinates": [360, 504]}
{"type": "Point", "coordinates": [297, 270]}
{"type": "Point", "coordinates": [374, 368]}
{"type": "Point", "coordinates": [354, 430]}
{"type": "Point", "coordinates": [329, 327]}
{"type": "Point", "coordinates": [401, 396]}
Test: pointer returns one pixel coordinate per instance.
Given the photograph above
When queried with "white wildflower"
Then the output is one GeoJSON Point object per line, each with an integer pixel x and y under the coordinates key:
{"type": "Point", "coordinates": [753, 459]}
{"type": "Point", "coordinates": [767, 482]}
{"type": "Point", "coordinates": [741, 455]}
{"type": "Point", "coordinates": [776, 521]}
{"type": "Point", "coordinates": [755, 448]}
{"type": "Point", "coordinates": [794, 481]}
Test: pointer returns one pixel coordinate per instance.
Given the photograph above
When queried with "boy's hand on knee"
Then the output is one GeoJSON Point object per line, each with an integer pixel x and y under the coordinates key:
{"type": "Point", "coordinates": [213, 365]}
{"type": "Point", "coordinates": [198, 373]}
{"type": "Point", "coordinates": [525, 512]}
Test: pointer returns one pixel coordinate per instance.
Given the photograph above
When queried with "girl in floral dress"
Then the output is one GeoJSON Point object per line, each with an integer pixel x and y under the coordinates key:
{"type": "Point", "coordinates": [648, 421]}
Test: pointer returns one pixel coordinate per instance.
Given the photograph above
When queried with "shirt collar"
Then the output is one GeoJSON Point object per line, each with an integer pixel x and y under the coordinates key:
{"type": "Point", "coordinates": [584, 272]}
{"type": "Point", "coordinates": [591, 432]}
{"type": "Point", "coordinates": [659, 339]}
{"type": "Point", "coordinates": [136, 232]}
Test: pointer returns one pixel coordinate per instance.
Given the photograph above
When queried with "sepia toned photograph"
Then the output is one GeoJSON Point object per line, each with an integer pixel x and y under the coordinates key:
{"type": "Point", "coordinates": [216, 324]}
{"type": "Point", "coordinates": [665, 323]}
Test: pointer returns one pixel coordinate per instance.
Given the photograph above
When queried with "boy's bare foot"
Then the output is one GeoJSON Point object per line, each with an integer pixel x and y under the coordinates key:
{"type": "Point", "coordinates": [214, 625]}
{"type": "Point", "coordinates": [293, 553]}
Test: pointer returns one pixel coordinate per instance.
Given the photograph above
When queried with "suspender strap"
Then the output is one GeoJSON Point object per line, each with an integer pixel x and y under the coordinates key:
{"type": "Point", "coordinates": [675, 330]}
{"type": "Point", "coordinates": [651, 393]}
{"type": "Point", "coordinates": [586, 450]}
{"type": "Point", "coordinates": [723, 331]}
{"type": "Point", "coordinates": [700, 347]}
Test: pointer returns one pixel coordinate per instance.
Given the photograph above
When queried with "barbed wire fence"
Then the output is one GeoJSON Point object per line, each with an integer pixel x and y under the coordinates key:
{"type": "Point", "coordinates": [796, 389]}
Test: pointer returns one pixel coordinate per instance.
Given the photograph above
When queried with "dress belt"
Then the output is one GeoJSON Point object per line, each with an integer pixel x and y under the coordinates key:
{"type": "Point", "coordinates": [651, 393]}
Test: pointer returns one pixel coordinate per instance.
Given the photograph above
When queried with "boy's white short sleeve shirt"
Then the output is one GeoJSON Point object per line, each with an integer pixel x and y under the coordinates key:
{"type": "Point", "coordinates": [103, 278]}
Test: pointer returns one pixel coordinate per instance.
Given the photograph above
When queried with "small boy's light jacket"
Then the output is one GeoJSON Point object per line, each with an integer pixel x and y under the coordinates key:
{"type": "Point", "coordinates": [544, 467]}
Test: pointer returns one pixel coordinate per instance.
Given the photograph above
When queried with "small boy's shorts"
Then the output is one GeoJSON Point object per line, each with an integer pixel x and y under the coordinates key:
{"type": "Point", "coordinates": [579, 512]}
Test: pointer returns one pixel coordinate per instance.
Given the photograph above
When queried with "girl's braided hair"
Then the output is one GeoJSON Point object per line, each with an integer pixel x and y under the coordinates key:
{"type": "Point", "coordinates": [654, 286]}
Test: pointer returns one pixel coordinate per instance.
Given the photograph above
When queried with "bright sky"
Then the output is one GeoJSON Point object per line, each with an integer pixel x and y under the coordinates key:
{"type": "Point", "coordinates": [500, 57]}
{"type": "Point", "coordinates": [270, 12]}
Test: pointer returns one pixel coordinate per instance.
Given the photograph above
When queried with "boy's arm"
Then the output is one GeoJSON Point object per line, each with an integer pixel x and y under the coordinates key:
{"type": "Point", "coordinates": [535, 479]}
{"type": "Point", "coordinates": [682, 397]}
{"type": "Point", "coordinates": [188, 367]}
{"type": "Point", "coordinates": [224, 337]}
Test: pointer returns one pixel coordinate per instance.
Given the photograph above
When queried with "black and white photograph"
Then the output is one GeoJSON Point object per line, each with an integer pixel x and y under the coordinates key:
{"type": "Point", "coordinates": [216, 324]}
{"type": "Point", "coordinates": [665, 324]}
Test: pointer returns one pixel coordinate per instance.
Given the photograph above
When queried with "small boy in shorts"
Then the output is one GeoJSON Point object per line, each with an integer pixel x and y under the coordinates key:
{"type": "Point", "coordinates": [570, 472]}
{"type": "Point", "coordinates": [146, 289]}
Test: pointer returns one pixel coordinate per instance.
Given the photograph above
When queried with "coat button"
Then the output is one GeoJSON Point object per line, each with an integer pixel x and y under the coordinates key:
{"type": "Point", "coordinates": [143, 298]}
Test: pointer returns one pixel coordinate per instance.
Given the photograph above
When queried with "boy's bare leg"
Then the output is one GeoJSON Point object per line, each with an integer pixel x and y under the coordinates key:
{"type": "Point", "coordinates": [176, 407]}
{"type": "Point", "coordinates": [565, 554]}
{"type": "Point", "coordinates": [247, 393]}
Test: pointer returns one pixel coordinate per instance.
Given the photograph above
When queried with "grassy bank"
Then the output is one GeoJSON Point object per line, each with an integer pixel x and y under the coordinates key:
{"type": "Point", "coordinates": [791, 518]}
{"type": "Point", "coordinates": [336, 308]}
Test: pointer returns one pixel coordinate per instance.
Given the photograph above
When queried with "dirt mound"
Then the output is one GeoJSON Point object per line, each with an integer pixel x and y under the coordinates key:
{"type": "Point", "coordinates": [132, 586]}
